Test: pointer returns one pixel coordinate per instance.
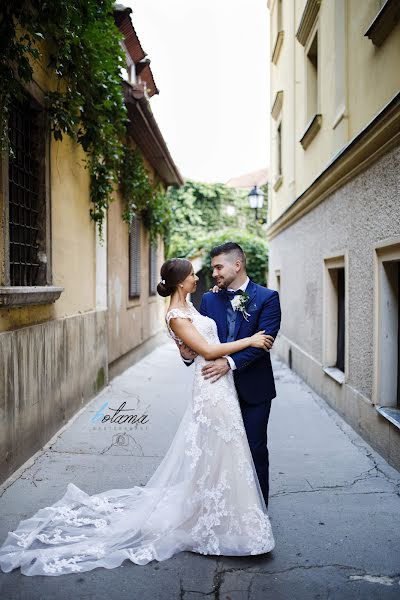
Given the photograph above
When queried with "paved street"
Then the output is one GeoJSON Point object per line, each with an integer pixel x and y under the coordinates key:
{"type": "Point", "coordinates": [334, 504]}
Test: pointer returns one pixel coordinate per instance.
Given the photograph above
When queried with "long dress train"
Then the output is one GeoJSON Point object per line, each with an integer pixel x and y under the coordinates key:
{"type": "Point", "coordinates": [204, 496]}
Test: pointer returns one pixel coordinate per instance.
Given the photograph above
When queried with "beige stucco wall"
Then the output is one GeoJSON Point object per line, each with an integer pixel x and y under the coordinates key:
{"type": "Point", "coordinates": [73, 230]}
{"type": "Point", "coordinates": [371, 77]}
{"type": "Point", "coordinates": [73, 239]}
{"type": "Point", "coordinates": [131, 321]}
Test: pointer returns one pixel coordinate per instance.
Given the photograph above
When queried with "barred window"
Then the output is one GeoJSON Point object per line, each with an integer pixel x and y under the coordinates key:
{"type": "Point", "coordinates": [134, 258]}
{"type": "Point", "coordinates": [153, 275]}
{"type": "Point", "coordinates": [26, 195]}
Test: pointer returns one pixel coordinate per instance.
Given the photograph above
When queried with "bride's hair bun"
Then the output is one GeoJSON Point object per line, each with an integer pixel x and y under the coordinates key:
{"type": "Point", "coordinates": [173, 272]}
{"type": "Point", "coordinates": [163, 290]}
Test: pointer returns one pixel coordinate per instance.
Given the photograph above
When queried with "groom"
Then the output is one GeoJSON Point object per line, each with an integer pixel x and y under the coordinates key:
{"type": "Point", "coordinates": [252, 370]}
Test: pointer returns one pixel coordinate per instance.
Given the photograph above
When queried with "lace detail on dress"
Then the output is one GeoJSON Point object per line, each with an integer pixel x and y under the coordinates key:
{"type": "Point", "coordinates": [204, 496]}
{"type": "Point", "coordinates": [176, 313]}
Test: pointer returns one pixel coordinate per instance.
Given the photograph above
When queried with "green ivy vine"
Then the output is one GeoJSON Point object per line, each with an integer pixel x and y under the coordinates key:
{"type": "Point", "coordinates": [82, 44]}
{"type": "Point", "coordinates": [142, 198]}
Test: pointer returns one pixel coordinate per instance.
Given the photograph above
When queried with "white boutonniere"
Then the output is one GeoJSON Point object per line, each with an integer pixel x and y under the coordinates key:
{"type": "Point", "coordinates": [239, 303]}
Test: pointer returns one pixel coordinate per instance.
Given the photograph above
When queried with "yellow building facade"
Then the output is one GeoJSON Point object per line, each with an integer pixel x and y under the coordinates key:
{"type": "Point", "coordinates": [334, 207]}
{"type": "Point", "coordinates": [69, 319]}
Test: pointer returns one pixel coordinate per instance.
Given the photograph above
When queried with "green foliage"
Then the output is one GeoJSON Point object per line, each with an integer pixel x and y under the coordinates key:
{"type": "Point", "coordinates": [84, 53]}
{"type": "Point", "coordinates": [201, 208]}
{"type": "Point", "coordinates": [255, 248]}
{"type": "Point", "coordinates": [141, 197]}
{"type": "Point", "coordinates": [205, 215]}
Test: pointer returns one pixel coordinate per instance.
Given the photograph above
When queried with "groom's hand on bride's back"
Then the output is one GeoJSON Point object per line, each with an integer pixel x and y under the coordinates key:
{"type": "Point", "coordinates": [215, 369]}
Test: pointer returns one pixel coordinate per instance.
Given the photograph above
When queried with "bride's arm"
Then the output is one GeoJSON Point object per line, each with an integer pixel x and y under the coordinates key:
{"type": "Point", "coordinates": [187, 332]}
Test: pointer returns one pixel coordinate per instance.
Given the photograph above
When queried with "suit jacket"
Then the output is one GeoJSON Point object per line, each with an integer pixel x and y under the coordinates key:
{"type": "Point", "coordinates": [254, 379]}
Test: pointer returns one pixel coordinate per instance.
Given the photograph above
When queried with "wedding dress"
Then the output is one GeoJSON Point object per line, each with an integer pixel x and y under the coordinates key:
{"type": "Point", "coordinates": [204, 496]}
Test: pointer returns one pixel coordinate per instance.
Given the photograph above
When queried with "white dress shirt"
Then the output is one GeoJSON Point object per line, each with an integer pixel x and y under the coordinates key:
{"type": "Point", "coordinates": [242, 287]}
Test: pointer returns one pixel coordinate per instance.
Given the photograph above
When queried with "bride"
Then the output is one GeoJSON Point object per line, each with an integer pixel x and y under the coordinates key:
{"type": "Point", "coordinates": [204, 497]}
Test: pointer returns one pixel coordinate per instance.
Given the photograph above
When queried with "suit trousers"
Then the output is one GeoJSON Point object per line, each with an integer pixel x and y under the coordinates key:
{"type": "Point", "coordinates": [255, 419]}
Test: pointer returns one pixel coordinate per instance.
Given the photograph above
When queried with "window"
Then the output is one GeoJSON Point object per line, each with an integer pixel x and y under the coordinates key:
{"type": "Point", "coordinates": [340, 320]}
{"type": "Point", "coordinates": [134, 258]}
{"type": "Point", "coordinates": [278, 280]}
{"type": "Point", "coordinates": [398, 336]}
{"type": "Point", "coordinates": [26, 195]}
{"type": "Point", "coordinates": [278, 158]}
{"type": "Point", "coordinates": [386, 393]}
{"type": "Point", "coordinates": [153, 271]}
{"type": "Point", "coordinates": [340, 63]}
{"type": "Point", "coordinates": [334, 331]}
{"type": "Point", "coordinates": [279, 149]}
{"type": "Point", "coordinates": [278, 25]}
{"type": "Point", "coordinates": [276, 113]}
{"type": "Point", "coordinates": [313, 118]}
{"type": "Point", "coordinates": [25, 246]}
{"type": "Point", "coordinates": [279, 16]}
{"type": "Point", "coordinates": [312, 78]}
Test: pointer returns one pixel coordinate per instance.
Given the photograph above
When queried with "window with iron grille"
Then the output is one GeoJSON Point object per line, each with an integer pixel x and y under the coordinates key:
{"type": "Point", "coordinates": [26, 195]}
{"type": "Point", "coordinates": [153, 275]}
{"type": "Point", "coordinates": [134, 258]}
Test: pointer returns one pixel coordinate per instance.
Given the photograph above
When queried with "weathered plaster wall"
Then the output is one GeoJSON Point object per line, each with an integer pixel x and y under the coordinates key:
{"type": "Point", "coordinates": [47, 373]}
{"type": "Point", "coordinates": [131, 321]}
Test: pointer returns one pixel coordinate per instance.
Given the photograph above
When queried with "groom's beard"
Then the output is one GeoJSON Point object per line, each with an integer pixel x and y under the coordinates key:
{"type": "Point", "coordinates": [224, 283]}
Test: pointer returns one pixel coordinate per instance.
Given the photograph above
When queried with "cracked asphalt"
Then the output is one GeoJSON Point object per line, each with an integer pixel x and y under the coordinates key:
{"type": "Point", "coordinates": [334, 504]}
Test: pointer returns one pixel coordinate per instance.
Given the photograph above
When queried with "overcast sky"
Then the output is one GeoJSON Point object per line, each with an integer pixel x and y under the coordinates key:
{"type": "Point", "coordinates": [210, 62]}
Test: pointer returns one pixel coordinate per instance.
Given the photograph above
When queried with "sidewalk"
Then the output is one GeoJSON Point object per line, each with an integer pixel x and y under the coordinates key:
{"type": "Point", "coordinates": [334, 504]}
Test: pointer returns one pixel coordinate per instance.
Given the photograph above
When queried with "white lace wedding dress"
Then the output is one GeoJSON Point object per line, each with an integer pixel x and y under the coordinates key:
{"type": "Point", "coordinates": [203, 497]}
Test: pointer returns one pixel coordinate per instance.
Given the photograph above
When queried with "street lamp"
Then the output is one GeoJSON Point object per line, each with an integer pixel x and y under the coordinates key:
{"type": "Point", "coordinates": [256, 201]}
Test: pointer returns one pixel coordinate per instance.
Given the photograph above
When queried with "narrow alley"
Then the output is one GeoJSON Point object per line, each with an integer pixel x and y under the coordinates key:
{"type": "Point", "coordinates": [334, 504]}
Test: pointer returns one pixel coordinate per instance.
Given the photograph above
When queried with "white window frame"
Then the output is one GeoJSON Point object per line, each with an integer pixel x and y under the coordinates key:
{"type": "Point", "coordinates": [384, 362]}
{"type": "Point", "coordinates": [330, 324]}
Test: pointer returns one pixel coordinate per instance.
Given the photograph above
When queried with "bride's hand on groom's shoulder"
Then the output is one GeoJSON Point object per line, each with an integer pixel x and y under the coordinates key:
{"type": "Point", "coordinates": [261, 340]}
{"type": "Point", "coordinates": [214, 289]}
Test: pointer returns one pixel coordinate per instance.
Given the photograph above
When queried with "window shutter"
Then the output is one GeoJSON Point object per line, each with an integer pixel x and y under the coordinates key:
{"type": "Point", "coordinates": [153, 275]}
{"type": "Point", "coordinates": [134, 258]}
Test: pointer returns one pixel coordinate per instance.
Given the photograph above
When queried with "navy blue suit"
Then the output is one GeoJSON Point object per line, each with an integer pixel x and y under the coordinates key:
{"type": "Point", "coordinates": [253, 376]}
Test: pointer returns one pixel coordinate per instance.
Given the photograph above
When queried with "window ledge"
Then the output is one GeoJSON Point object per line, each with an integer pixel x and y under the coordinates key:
{"type": "Point", "coordinates": [335, 373]}
{"type": "Point", "coordinates": [341, 114]}
{"type": "Point", "coordinates": [390, 413]}
{"type": "Point", "coordinates": [14, 296]}
{"type": "Point", "coordinates": [311, 131]}
{"type": "Point", "coordinates": [277, 106]}
{"type": "Point", "coordinates": [278, 182]}
{"type": "Point", "coordinates": [384, 22]}
{"type": "Point", "coordinates": [307, 20]}
{"type": "Point", "coordinates": [277, 47]}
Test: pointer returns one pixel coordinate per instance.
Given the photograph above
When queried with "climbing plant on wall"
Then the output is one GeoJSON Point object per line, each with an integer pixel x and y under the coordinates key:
{"type": "Point", "coordinates": [80, 43]}
{"type": "Point", "coordinates": [141, 196]}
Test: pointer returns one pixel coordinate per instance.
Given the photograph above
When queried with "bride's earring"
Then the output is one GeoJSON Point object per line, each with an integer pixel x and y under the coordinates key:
{"type": "Point", "coordinates": [181, 284]}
